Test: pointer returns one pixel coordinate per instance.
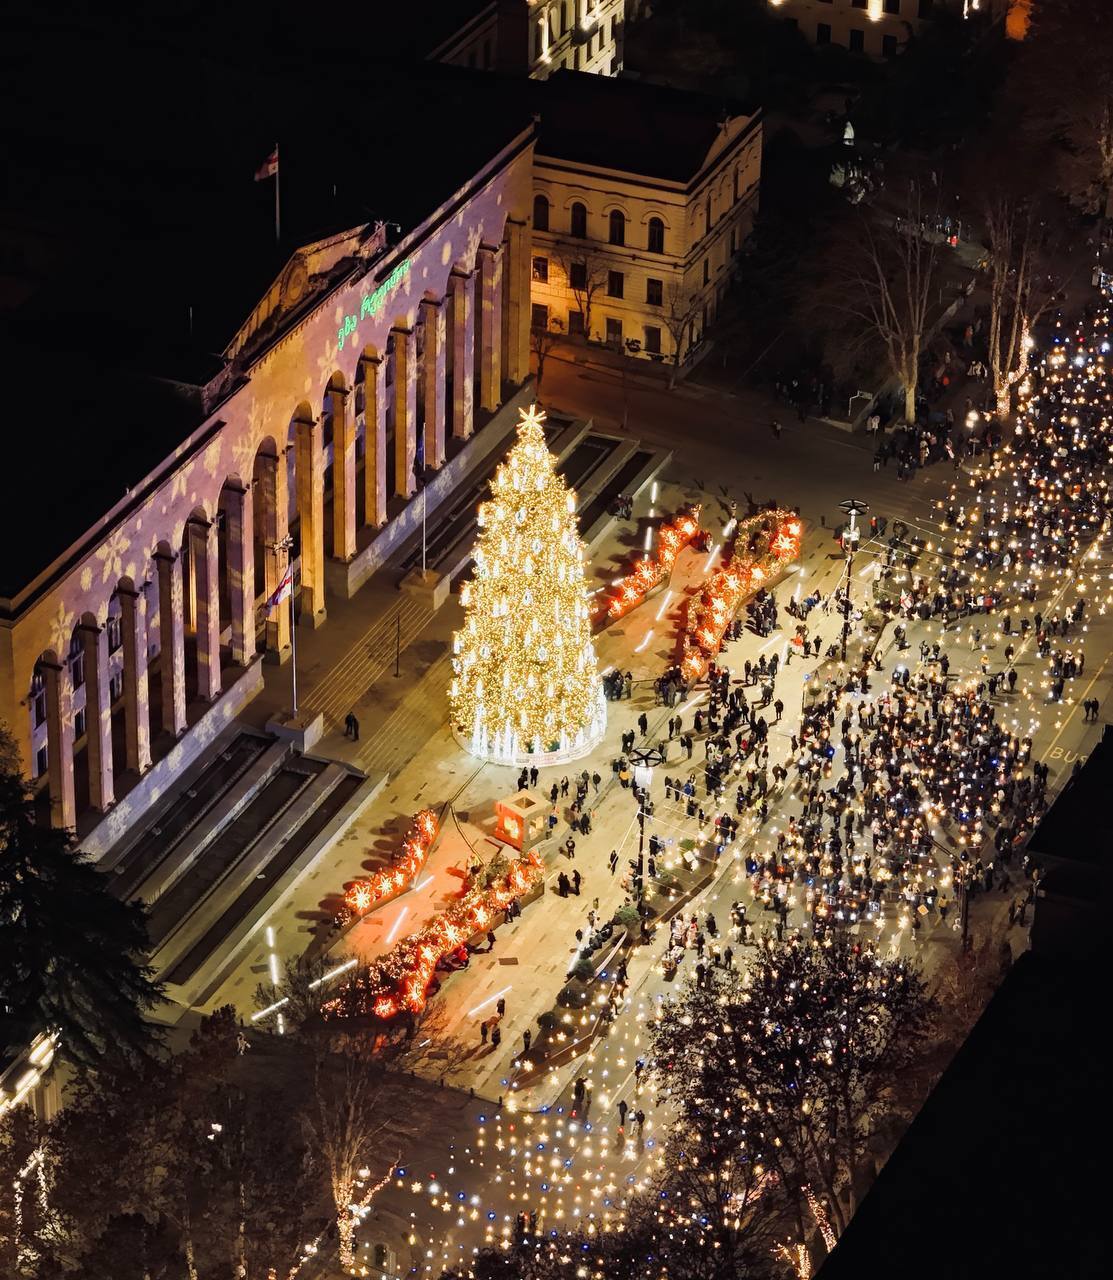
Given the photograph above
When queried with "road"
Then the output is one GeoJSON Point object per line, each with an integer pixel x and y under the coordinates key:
{"type": "Point", "coordinates": [460, 1192]}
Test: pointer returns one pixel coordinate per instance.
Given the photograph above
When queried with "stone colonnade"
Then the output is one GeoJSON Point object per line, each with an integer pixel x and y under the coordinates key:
{"type": "Point", "coordinates": [141, 678]}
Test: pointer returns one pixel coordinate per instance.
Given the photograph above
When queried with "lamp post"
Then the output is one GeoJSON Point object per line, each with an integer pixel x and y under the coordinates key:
{"type": "Point", "coordinates": [644, 760]}
{"type": "Point", "coordinates": [854, 507]}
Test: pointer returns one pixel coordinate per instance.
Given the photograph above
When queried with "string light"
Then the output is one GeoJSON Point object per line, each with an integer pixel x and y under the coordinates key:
{"type": "Point", "coordinates": [526, 684]}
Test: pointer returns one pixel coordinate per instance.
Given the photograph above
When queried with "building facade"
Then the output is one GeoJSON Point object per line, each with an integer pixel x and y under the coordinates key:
{"type": "Point", "coordinates": [366, 362]}
{"type": "Point", "coordinates": [876, 28]}
{"type": "Point", "coordinates": [638, 253]}
{"type": "Point", "coordinates": [539, 37]}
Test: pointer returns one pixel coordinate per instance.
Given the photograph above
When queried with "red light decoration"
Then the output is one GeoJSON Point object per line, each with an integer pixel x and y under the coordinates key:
{"type": "Point", "coordinates": [629, 592]}
{"type": "Point", "coordinates": [400, 981]}
{"type": "Point", "coordinates": [364, 895]}
{"type": "Point", "coordinates": [711, 611]}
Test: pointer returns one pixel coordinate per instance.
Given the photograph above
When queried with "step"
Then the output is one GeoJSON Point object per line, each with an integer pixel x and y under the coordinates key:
{"type": "Point", "coordinates": [225, 808]}
{"type": "Point", "coordinates": [251, 861]}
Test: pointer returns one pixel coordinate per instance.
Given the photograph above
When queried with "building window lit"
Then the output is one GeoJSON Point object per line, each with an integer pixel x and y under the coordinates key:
{"type": "Point", "coordinates": [540, 213]}
{"type": "Point", "coordinates": [618, 227]}
{"type": "Point", "coordinates": [541, 270]}
{"type": "Point", "coordinates": [655, 240]}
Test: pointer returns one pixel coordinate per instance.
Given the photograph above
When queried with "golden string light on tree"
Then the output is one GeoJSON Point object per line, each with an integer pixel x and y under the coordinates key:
{"type": "Point", "coordinates": [526, 684]}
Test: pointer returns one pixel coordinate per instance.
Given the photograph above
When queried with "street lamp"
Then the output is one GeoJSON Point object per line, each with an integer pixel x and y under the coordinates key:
{"type": "Point", "coordinates": [644, 760]}
{"type": "Point", "coordinates": [854, 507]}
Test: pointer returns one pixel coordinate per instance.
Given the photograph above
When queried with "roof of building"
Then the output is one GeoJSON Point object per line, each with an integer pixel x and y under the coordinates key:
{"type": "Point", "coordinates": [132, 233]}
{"type": "Point", "coordinates": [636, 126]}
{"type": "Point", "coordinates": [1003, 1172]}
{"type": "Point", "coordinates": [1071, 831]}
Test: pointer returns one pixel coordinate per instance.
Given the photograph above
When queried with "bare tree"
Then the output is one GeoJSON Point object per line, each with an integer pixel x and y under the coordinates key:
{"type": "Point", "coordinates": [352, 1116]}
{"type": "Point", "coordinates": [586, 272]}
{"type": "Point", "coordinates": [1012, 306]}
{"type": "Point", "coordinates": [541, 342]}
{"type": "Point", "coordinates": [883, 275]}
{"type": "Point", "coordinates": [682, 306]}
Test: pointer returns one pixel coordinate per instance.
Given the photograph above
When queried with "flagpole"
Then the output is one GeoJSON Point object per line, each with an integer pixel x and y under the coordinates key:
{"type": "Point", "coordinates": [278, 229]}
{"type": "Point", "coordinates": [293, 648]}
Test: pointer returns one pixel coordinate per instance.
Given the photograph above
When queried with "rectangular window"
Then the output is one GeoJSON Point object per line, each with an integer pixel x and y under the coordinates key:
{"type": "Point", "coordinates": [116, 686]}
{"type": "Point", "coordinates": [733, 241]}
{"type": "Point", "coordinates": [576, 324]}
{"type": "Point", "coordinates": [823, 33]}
{"type": "Point", "coordinates": [889, 46]}
{"type": "Point", "coordinates": [614, 284]}
{"type": "Point", "coordinates": [40, 762]}
{"type": "Point", "coordinates": [706, 270]}
{"type": "Point", "coordinates": [654, 292]}
{"type": "Point", "coordinates": [614, 330]}
{"type": "Point", "coordinates": [541, 270]}
{"type": "Point", "coordinates": [77, 669]}
{"type": "Point", "coordinates": [38, 700]}
{"type": "Point", "coordinates": [653, 339]}
{"type": "Point", "coordinates": [79, 723]}
{"type": "Point", "coordinates": [539, 316]}
{"type": "Point", "coordinates": [577, 275]}
{"type": "Point", "coordinates": [857, 40]}
{"type": "Point", "coordinates": [115, 633]}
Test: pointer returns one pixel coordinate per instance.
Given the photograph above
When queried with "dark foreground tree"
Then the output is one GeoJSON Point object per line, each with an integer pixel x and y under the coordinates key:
{"type": "Point", "coordinates": [72, 957]}
{"type": "Point", "coordinates": [792, 1062]}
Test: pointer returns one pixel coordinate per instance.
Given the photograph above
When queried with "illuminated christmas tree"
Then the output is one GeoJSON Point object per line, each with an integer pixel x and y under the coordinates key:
{"type": "Point", "coordinates": [526, 684]}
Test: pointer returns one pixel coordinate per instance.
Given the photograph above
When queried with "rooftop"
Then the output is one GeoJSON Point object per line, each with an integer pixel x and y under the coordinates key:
{"type": "Point", "coordinates": [650, 129]}
{"type": "Point", "coordinates": [1073, 829]}
{"type": "Point", "coordinates": [1002, 1173]}
{"type": "Point", "coordinates": [133, 239]}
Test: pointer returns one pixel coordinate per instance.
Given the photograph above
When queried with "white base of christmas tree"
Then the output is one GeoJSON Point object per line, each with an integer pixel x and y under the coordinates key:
{"type": "Point", "coordinates": [505, 748]}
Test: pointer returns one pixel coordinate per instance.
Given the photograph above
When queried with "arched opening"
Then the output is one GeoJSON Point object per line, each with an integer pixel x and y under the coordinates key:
{"type": "Point", "coordinates": [50, 701]}
{"type": "Point", "coordinates": [655, 238]}
{"type": "Point", "coordinates": [617, 227]}
{"type": "Point", "coordinates": [540, 213]}
{"type": "Point", "coordinates": [270, 520]}
{"type": "Point", "coordinates": [577, 222]}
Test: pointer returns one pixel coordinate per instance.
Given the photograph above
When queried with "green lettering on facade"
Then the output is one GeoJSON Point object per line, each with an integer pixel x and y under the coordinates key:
{"type": "Point", "coordinates": [372, 303]}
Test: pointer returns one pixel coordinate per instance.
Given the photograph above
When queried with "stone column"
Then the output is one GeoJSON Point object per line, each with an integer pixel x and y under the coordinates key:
{"type": "Point", "coordinates": [435, 327]}
{"type": "Point", "coordinates": [516, 363]}
{"type": "Point", "coordinates": [343, 477]}
{"type": "Point", "coordinates": [98, 718]}
{"type": "Point", "coordinates": [171, 629]}
{"type": "Point", "coordinates": [239, 542]}
{"type": "Point", "coordinates": [59, 743]}
{"type": "Point", "coordinates": [460, 286]}
{"type": "Point", "coordinates": [204, 553]}
{"type": "Point", "coordinates": [490, 328]}
{"type": "Point", "coordinates": [374, 442]}
{"type": "Point", "coordinates": [311, 515]}
{"type": "Point", "coordinates": [137, 712]}
{"type": "Point", "coordinates": [276, 526]}
{"type": "Point", "coordinates": [405, 410]}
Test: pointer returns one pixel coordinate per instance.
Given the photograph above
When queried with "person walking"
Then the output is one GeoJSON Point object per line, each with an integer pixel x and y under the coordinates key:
{"type": "Point", "coordinates": [483, 1031]}
{"type": "Point", "coordinates": [643, 724]}
{"type": "Point", "coordinates": [623, 1107]}
{"type": "Point", "coordinates": [576, 878]}
{"type": "Point", "coordinates": [613, 860]}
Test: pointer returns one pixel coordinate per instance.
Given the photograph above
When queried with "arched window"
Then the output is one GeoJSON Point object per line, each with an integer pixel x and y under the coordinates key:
{"type": "Point", "coordinates": [618, 227]}
{"type": "Point", "coordinates": [540, 213]}
{"type": "Point", "coordinates": [656, 238]}
{"type": "Point", "coordinates": [579, 221]}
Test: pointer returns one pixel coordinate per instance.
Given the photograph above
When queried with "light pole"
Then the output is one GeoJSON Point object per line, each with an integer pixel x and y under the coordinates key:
{"type": "Point", "coordinates": [644, 760]}
{"type": "Point", "coordinates": [854, 507]}
{"type": "Point", "coordinates": [285, 590]}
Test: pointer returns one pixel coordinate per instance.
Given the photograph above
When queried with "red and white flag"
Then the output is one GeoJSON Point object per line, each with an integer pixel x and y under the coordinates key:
{"type": "Point", "coordinates": [282, 591]}
{"type": "Point", "coordinates": [269, 167]}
